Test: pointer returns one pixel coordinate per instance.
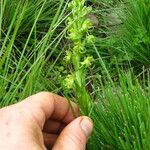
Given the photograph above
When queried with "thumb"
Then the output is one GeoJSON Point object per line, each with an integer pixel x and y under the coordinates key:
{"type": "Point", "coordinates": [75, 135]}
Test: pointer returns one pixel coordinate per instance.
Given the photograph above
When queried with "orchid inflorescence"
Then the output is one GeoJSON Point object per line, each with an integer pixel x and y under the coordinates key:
{"type": "Point", "coordinates": [79, 27]}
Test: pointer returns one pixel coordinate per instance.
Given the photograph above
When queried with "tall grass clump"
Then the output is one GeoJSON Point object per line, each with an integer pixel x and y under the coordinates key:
{"type": "Point", "coordinates": [28, 41]}
{"type": "Point", "coordinates": [121, 116]}
{"type": "Point", "coordinates": [135, 32]}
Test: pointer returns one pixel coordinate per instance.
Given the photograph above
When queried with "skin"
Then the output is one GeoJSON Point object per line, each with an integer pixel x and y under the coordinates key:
{"type": "Point", "coordinates": [43, 121]}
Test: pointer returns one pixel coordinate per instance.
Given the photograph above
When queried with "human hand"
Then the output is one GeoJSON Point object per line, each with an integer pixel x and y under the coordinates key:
{"type": "Point", "coordinates": [43, 121]}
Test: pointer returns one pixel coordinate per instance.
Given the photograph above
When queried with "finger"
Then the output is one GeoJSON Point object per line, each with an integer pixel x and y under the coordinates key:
{"type": "Point", "coordinates": [44, 105]}
{"type": "Point", "coordinates": [49, 139]}
{"type": "Point", "coordinates": [63, 112]}
{"type": "Point", "coordinates": [53, 126]}
{"type": "Point", "coordinates": [75, 135]}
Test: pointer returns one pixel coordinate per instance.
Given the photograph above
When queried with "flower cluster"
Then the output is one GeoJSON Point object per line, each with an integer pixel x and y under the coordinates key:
{"type": "Point", "coordinates": [78, 27]}
{"type": "Point", "coordinates": [70, 82]}
{"type": "Point", "coordinates": [78, 33]}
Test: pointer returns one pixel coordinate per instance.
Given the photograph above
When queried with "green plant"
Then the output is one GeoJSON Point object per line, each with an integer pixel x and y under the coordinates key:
{"type": "Point", "coordinates": [135, 33]}
{"type": "Point", "coordinates": [78, 27]}
{"type": "Point", "coordinates": [121, 115]}
{"type": "Point", "coordinates": [24, 53]}
{"type": "Point", "coordinates": [119, 110]}
{"type": "Point", "coordinates": [33, 40]}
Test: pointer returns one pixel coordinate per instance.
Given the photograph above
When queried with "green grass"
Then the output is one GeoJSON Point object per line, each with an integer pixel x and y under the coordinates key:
{"type": "Point", "coordinates": [33, 44]}
{"type": "Point", "coordinates": [121, 115]}
{"type": "Point", "coordinates": [135, 32]}
{"type": "Point", "coordinates": [23, 63]}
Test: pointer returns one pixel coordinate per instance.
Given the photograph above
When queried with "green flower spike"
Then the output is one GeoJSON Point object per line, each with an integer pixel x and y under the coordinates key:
{"type": "Point", "coordinates": [78, 28]}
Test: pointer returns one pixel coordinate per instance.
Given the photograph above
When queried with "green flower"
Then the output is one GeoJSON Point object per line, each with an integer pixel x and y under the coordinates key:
{"type": "Point", "coordinates": [87, 61]}
{"type": "Point", "coordinates": [86, 10]}
{"type": "Point", "coordinates": [68, 56]}
{"type": "Point", "coordinates": [90, 39]}
{"type": "Point", "coordinates": [86, 25]}
{"type": "Point", "coordinates": [74, 35]}
{"type": "Point", "coordinates": [72, 5]}
{"type": "Point", "coordinates": [79, 48]}
{"type": "Point", "coordinates": [69, 82]}
{"type": "Point", "coordinates": [69, 21]}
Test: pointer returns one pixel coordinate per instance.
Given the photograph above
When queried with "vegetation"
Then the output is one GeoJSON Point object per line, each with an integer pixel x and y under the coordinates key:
{"type": "Point", "coordinates": [93, 52]}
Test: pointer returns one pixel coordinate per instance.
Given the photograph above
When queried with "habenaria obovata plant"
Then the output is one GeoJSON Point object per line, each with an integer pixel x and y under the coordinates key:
{"type": "Point", "coordinates": [79, 27]}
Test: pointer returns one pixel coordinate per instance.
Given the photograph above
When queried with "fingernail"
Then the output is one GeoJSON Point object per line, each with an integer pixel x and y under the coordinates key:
{"type": "Point", "coordinates": [86, 125]}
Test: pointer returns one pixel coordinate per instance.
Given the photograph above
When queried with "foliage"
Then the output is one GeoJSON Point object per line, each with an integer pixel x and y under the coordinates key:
{"type": "Point", "coordinates": [135, 33]}
{"type": "Point", "coordinates": [121, 116]}
{"type": "Point", "coordinates": [90, 51]}
{"type": "Point", "coordinates": [23, 63]}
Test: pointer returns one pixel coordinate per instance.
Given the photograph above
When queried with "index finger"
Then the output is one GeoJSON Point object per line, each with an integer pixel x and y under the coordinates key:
{"type": "Point", "coordinates": [47, 105]}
